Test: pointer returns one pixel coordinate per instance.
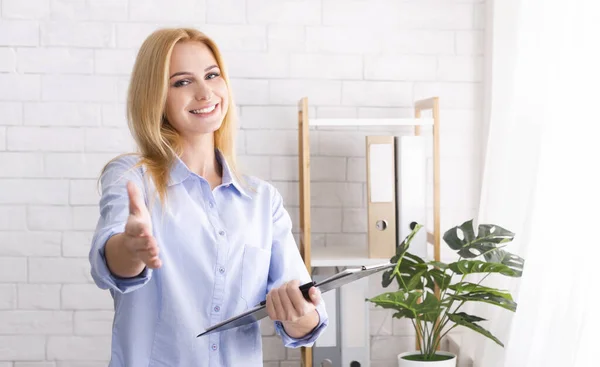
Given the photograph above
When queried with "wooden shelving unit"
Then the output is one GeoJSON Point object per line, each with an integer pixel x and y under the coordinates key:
{"type": "Point", "coordinates": [338, 257]}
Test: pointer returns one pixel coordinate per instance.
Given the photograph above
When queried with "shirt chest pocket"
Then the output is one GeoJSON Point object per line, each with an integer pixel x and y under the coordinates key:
{"type": "Point", "coordinates": [254, 274]}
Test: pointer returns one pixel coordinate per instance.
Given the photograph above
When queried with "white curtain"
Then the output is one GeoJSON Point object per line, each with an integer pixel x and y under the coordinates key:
{"type": "Point", "coordinates": [541, 179]}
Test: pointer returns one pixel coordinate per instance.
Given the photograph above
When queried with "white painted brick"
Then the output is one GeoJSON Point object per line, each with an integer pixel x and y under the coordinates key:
{"type": "Point", "coordinates": [273, 349]}
{"type": "Point", "coordinates": [22, 347]}
{"type": "Point", "coordinates": [280, 142]}
{"type": "Point", "coordinates": [380, 322]}
{"type": "Point", "coordinates": [388, 347]}
{"type": "Point", "coordinates": [377, 13]}
{"type": "Point", "coordinates": [479, 16]}
{"type": "Point", "coordinates": [6, 364]}
{"type": "Point", "coordinates": [336, 112]}
{"type": "Point", "coordinates": [108, 140]}
{"type": "Point", "coordinates": [61, 114]}
{"type": "Point", "coordinates": [131, 35]}
{"type": "Point", "coordinates": [341, 143]}
{"type": "Point", "coordinates": [460, 68]}
{"type": "Point", "coordinates": [8, 296]}
{"type": "Point", "coordinates": [283, 37]}
{"type": "Point", "coordinates": [345, 240]}
{"type": "Point", "coordinates": [403, 327]}
{"type": "Point", "coordinates": [284, 168]}
{"type": "Point", "coordinates": [32, 9]}
{"type": "Point", "coordinates": [75, 165]}
{"type": "Point", "coordinates": [39, 296]}
{"type": "Point", "coordinates": [378, 94]}
{"type": "Point", "coordinates": [267, 327]}
{"type": "Point", "coordinates": [77, 34]}
{"type": "Point", "coordinates": [114, 114]}
{"type": "Point", "coordinates": [34, 191]}
{"type": "Point", "coordinates": [319, 92]}
{"type": "Point", "coordinates": [82, 363]}
{"type": "Point", "coordinates": [241, 142]}
{"type": "Point", "coordinates": [93, 322]}
{"type": "Point", "coordinates": [293, 354]}
{"type": "Point", "coordinates": [257, 65]}
{"type": "Point", "coordinates": [356, 39]}
{"type": "Point", "coordinates": [256, 166]}
{"type": "Point", "coordinates": [85, 218]}
{"type": "Point", "coordinates": [114, 62]}
{"type": "Point", "coordinates": [35, 364]}
{"type": "Point", "coordinates": [32, 322]}
{"type": "Point", "coordinates": [240, 37]}
{"type": "Point", "coordinates": [8, 60]}
{"type": "Point", "coordinates": [13, 270]}
{"type": "Point", "coordinates": [76, 244]}
{"type": "Point", "coordinates": [469, 42]}
{"type": "Point", "coordinates": [2, 138]}
{"type": "Point", "coordinates": [326, 220]}
{"type": "Point", "coordinates": [83, 192]}
{"type": "Point", "coordinates": [357, 170]}
{"type": "Point", "coordinates": [107, 9]}
{"type": "Point", "coordinates": [58, 270]}
{"type": "Point", "coordinates": [452, 95]}
{"type": "Point", "coordinates": [85, 297]}
{"type": "Point", "coordinates": [400, 67]}
{"type": "Point", "coordinates": [336, 194]}
{"type": "Point", "coordinates": [311, 66]}
{"type": "Point", "coordinates": [21, 165]}
{"type": "Point", "coordinates": [425, 42]}
{"type": "Point", "coordinates": [18, 243]}
{"type": "Point", "coordinates": [12, 218]}
{"type": "Point", "coordinates": [69, 10]}
{"type": "Point", "coordinates": [78, 348]}
{"type": "Point", "coordinates": [355, 220]}
{"type": "Point", "coordinates": [49, 218]}
{"type": "Point", "coordinates": [55, 60]}
{"type": "Point", "coordinates": [290, 364]}
{"type": "Point", "coordinates": [327, 169]}
{"type": "Point", "coordinates": [225, 11]}
{"type": "Point", "coordinates": [284, 11]}
{"type": "Point", "coordinates": [250, 92]}
{"type": "Point", "coordinates": [163, 10]}
{"type": "Point", "coordinates": [81, 88]}
{"type": "Point", "coordinates": [269, 117]}
{"type": "Point", "coordinates": [271, 364]}
{"type": "Point", "coordinates": [19, 33]}
{"type": "Point", "coordinates": [11, 113]}
{"type": "Point", "coordinates": [44, 139]}
{"type": "Point", "coordinates": [23, 87]}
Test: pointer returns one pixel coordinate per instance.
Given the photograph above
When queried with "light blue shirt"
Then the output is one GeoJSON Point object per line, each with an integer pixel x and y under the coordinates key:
{"type": "Point", "coordinates": [222, 250]}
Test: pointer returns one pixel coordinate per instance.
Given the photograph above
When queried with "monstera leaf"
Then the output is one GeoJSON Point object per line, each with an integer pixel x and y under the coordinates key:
{"type": "Point", "coordinates": [406, 267]}
{"type": "Point", "coordinates": [470, 245]}
{"type": "Point", "coordinates": [478, 266]}
{"type": "Point", "coordinates": [409, 305]}
{"type": "Point", "coordinates": [506, 258]}
{"type": "Point", "coordinates": [469, 321]}
{"type": "Point", "coordinates": [494, 298]}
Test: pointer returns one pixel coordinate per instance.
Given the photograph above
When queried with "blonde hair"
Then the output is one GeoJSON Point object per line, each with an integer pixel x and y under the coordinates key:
{"type": "Point", "coordinates": [158, 142]}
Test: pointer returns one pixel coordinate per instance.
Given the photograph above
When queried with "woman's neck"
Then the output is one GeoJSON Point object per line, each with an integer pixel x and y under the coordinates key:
{"type": "Point", "coordinates": [199, 156]}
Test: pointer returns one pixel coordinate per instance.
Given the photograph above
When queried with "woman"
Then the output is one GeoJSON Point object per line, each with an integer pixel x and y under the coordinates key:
{"type": "Point", "coordinates": [225, 242]}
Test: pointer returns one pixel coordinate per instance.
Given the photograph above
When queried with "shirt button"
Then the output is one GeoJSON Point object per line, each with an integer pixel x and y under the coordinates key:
{"type": "Point", "coordinates": [213, 347]}
{"type": "Point", "coordinates": [211, 205]}
{"type": "Point", "coordinates": [222, 233]}
{"type": "Point", "coordinates": [217, 308]}
{"type": "Point", "coordinates": [221, 270]}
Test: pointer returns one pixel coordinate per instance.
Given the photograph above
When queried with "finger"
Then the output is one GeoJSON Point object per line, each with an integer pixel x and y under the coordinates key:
{"type": "Point", "coordinates": [270, 307]}
{"type": "Point", "coordinates": [315, 295]}
{"type": "Point", "coordinates": [135, 199]}
{"type": "Point", "coordinates": [279, 312]}
{"type": "Point", "coordinates": [291, 313]}
{"type": "Point", "coordinates": [296, 298]}
{"type": "Point", "coordinates": [136, 227]}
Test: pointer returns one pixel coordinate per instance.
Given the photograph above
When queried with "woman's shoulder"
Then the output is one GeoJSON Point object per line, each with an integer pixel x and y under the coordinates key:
{"type": "Point", "coordinates": [123, 164]}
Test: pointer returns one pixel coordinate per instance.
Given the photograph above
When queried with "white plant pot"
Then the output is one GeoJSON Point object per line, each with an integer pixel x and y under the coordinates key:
{"type": "Point", "coordinates": [446, 363]}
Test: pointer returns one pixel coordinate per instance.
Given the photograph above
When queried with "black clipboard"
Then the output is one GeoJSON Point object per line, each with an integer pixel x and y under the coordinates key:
{"type": "Point", "coordinates": [335, 281]}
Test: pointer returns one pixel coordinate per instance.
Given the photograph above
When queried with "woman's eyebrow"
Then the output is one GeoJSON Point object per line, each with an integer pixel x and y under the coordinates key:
{"type": "Point", "coordinates": [179, 73]}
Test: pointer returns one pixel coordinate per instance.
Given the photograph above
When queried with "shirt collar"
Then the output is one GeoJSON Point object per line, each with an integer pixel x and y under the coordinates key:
{"type": "Point", "coordinates": [180, 172]}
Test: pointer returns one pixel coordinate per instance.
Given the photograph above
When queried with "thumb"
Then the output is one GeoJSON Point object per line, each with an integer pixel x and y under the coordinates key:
{"type": "Point", "coordinates": [135, 199]}
{"type": "Point", "coordinates": [315, 296]}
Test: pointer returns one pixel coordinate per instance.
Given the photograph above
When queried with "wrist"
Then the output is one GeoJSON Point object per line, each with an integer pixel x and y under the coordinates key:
{"type": "Point", "coordinates": [303, 326]}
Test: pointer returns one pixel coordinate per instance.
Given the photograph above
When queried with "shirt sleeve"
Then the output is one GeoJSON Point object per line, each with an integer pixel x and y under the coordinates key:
{"type": "Point", "coordinates": [287, 264]}
{"type": "Point", "coordinates": [114, 210]}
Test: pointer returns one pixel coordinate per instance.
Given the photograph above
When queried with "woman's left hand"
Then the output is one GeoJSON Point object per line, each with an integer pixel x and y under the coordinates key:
{"type": "Point", "coordinates": [286, 303]}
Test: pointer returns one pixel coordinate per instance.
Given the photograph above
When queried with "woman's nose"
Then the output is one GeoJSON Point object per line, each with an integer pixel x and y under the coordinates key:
{"type": "Point", "coordinates": [203, 92]}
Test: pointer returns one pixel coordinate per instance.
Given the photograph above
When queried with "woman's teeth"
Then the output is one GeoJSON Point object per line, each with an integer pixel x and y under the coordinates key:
{"type": "Point", "coordinates": [204, 110]}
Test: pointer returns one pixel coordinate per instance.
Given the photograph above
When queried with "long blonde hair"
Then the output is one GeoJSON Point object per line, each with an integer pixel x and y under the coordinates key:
{"type": "Point", "coordinates": [158, 142]}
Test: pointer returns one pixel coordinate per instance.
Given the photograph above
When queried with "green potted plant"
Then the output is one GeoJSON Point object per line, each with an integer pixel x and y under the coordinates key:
{"type": "Point", "coordinates": [432, 293]}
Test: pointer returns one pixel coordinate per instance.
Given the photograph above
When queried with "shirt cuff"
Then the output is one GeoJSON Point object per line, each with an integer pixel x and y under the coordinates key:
{"type": "Point", "coordinates": [309, 339]}
{"type": "Point", "coordinates": [102, 275]}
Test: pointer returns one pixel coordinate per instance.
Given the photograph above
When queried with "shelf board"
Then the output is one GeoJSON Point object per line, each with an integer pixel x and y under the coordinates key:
{"type": "Point", "coordinates": [409, 121]}
{"type": "Point", "coordinates": [342, 257]}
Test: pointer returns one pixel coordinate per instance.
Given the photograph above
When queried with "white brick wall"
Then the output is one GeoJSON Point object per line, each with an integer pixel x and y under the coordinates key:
{"type": "Point", "coordinates": [64, 68]}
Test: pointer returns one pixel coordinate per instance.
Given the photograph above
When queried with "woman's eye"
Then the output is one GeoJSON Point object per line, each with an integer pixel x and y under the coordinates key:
{"type": "Point", "coordinates": [181, 83]}
{"type": "Point", "coordinates": [212, 75]}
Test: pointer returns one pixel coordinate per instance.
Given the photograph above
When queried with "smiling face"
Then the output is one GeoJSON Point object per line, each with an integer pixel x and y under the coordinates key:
{"type": "Point", "coordinates": [197, 97]}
